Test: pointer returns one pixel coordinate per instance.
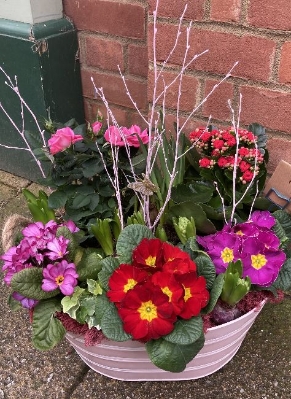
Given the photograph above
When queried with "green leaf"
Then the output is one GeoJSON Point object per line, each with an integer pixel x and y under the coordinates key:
{"type": "Point", "coordinates": [80, 201]}
{"type": "Point", "coordinates": [92, 167]}
{"type": "Point", "coordinates": [214, 293]}
{"type": "Point", "coordinates": [101, 303]}
{"type": "Point", "coordinates": [283, 224]}
{"type": "Point", "coordinates": [47, 330]}
{"type": "Point", "coordinates": [189, 209]}
{"type": "Point", "coordinates": [73, 301]}
{"type": "Point", "coordinates": [94, 287]}
{"type": "Point", "coordinates": [129, 238]}
{"type": "Point", "coordinates": [215, 213]}
{"type": "Point", "coordinates": [90, 264]}
{"type": "Point", "coordinates": [34, 139]}
{"type": "Point", "coordinates": [94, 201]}
{"type": "Point", "coordinates": [28, 283]}
{"type": "Point", "coordinates": [57, 199]}
{"type": "Point", "coordinates": [13, 304]}
{"type": "Point", "coordinates": [84, 190]}
{"type": "Point", "coordinates": [111, 324]}
{"type": "Point", "coordinates": [173, 357]}
{"type": "Point", "coordinates": [283, 281]}
{"type": "Point", "coordinates": [206, 268]}
{"type": "Point", "coordinates": [108, 265]}
{"type": "Point", "coordinates": [186, 332]}
{"type": "Point", "coordinates": [196, 192]}
{"type": "Point", "coordinates": [73, 245]}
{"type": "Point", "coordinates": [105, 191]}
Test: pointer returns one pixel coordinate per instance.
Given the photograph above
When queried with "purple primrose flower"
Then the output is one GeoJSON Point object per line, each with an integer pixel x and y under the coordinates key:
{"type": "Point", "coordinates": [261, 263]}
{"type": "Point", "coordinates": [253, 243]}
{"type": "Point", "coordinates": [25, 302]}
{"type": "Point", "coordinates": [263, 219]}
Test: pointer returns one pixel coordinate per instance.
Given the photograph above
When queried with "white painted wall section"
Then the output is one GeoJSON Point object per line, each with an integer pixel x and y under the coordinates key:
{"type": "Point", "coordinates": [31, 11]}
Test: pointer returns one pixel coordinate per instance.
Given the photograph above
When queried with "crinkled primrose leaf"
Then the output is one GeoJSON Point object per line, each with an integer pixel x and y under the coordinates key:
{"type": "Point", "coordinates": [129, 238]}
{"type": "Point", "coordinates": [186, 332]}
{"type": "Point", "coordinates": [47, 329]}
{"type": "Point", "coordinates": [28, 283]}
{"type": "Point", "coordinates": [172, 356]}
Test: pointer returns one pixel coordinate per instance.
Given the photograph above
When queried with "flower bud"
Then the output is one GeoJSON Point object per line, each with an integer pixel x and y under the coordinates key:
{"type": "Point", "coordinates": [185, 228]}
{"type": "Point", "coordinates": [235, 287]}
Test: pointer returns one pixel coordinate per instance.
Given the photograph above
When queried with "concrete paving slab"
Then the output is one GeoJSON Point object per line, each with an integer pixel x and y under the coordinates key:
{"type": "Point", "coordinates": [27, 373]}
{"type": "Point", "coordinates": [12, 180]}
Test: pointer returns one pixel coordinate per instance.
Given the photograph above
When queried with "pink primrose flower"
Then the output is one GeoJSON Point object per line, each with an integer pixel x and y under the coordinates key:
{"type": "Point", "coordinates": [63, 139]}
{"type": "Point", "coordinates": [34, 230]}
{"type": "Point", "coordinates": [71, 226]}
{"type": "Point", "coordinates": [58, 248]}
{"type": "Point", "coordinates": [61, 275]}
{"type": "Point", "coordinates": [14, 268]}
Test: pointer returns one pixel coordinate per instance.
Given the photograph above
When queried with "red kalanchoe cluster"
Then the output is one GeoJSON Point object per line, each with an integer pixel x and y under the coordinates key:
{"type": "Point", "coordinates": [160, 286]}
{"type": "Point", "coordinates": [218, 149]}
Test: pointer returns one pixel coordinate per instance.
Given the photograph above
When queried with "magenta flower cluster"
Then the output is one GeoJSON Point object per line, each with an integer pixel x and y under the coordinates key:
{"type": "Point", "coordinates": [126, 136]}
{"type": "Point", "coordinates": [40, 247]}
{"type": "Point", "coordinates": [253, 242]}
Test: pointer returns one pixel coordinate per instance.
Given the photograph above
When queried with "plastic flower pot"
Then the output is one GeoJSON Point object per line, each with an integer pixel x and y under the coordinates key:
{"type": "Point", "coordinates": [129, 360]}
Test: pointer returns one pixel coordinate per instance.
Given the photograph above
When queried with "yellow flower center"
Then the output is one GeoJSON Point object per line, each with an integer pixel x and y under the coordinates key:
{"type": "Point", "coordinates": [148, 311]}
{"type": "Point", "coordinates": [239, 233]}
{"type": "Point", "coordinates": [59, 280]}
{"type": "Point", "coordinates": [167, 291]}
{"type": "Point", "coordinates": [187, 294]}
{"type": "Point", "coordinates": [130, 284]}
{"type": "Point", "coordinates": [151, 261]}
{"type": "Point", "coordinates": [258, 261]}
{"type": "Point", "coordinates": [227, 255]}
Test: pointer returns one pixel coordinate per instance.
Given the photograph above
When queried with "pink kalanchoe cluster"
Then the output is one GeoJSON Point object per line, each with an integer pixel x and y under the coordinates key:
{"type": "Point", "coordinates": [253, 242]}
{"type": "Point", "coordinates": [130, 136]}
{"type": "Point", "coordinates": [39, 247]}
{"type": "Point", "coordinates": [63, 139]}
{"type": "Point", "coordinates": [218, 149]}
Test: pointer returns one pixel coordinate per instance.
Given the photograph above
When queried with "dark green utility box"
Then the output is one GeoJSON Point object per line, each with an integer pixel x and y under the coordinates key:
{"type": "Point", "coordinates": [44, 58]}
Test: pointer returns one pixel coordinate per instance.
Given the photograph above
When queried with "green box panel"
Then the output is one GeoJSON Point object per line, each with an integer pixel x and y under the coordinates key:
{"type": "Point", "coordinates": [44, 59]}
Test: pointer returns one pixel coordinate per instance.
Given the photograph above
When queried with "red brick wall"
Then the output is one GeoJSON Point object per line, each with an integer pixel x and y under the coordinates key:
{"type": "Point", "coordinates": [256, 33]}
{"type": "Point", "coordinates": [112, 33]}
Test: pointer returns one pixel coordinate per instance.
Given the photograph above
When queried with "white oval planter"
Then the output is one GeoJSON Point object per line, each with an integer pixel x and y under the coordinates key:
{"type": "Point", "coordinates": [129, 360]}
